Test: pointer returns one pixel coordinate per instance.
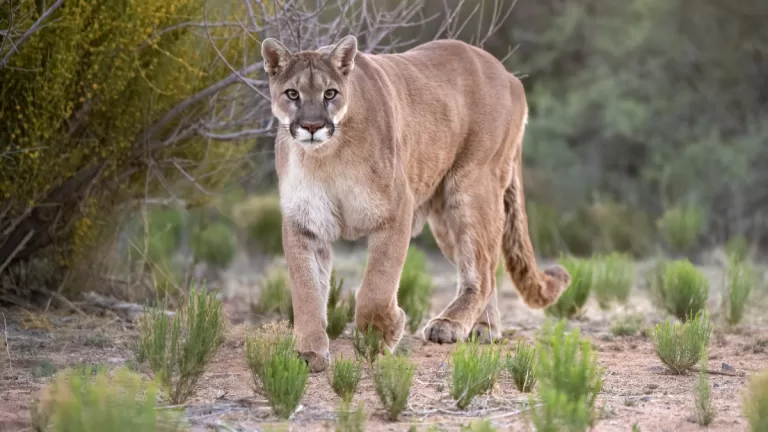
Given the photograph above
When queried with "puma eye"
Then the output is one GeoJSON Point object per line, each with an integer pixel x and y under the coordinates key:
{"type": "Point", "coordinates": [330, 94]}
{"type": "Point", "coordinates": [292, 94]}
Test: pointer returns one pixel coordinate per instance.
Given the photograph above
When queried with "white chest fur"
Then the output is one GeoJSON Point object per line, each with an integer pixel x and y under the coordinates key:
{"type": "Point", "coordinates": [329, 205]}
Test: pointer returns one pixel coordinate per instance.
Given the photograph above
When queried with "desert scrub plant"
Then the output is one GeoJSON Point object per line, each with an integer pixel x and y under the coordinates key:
{"type": "Point", "coordinates": [415, 288]}
{"type": "Point", "coordinates": [181, 345]}
{"type": "Point", "coordinates": [522, 366]}
{"type": "Point", "coordinates": [737, 247]}
{"type": "Point", "coordinates": [628, 325]}
{"type": "Point", "coordinates": [739, 280]}
{"type": "Point", "coordinates": [340, 311]}
{"type": "Point", "coordinates": [368, 344]}
{"type": "Point", "coordinates": [344, 377]}
{"type": "Point", "coordinates": [271, 339]}
{"type": "Point", "coordinates": [476, 368]}
{"type": "Point", "coordinates": [680, 227]}
{"type": "Point", "coordinates": [569, 381]}
{"type": "Point", "coordinates": [215, 244]}
{"type": "Point", "coordinates": [349, 420]}
{"type": "Point", "coordinates": [392, 378]}
{"type": "Point", "coordinates": [44, 369]}
{"type": "Point", "coordinates": [572, 300]}
{"type": "Point", "coordinates": [261, 218]}
{"type": "Point", "coordinates": [679, 345]}
{"type": "Point", "coordinates": [756, 402]}
{"type": "Point", "coordinates": [703, 410]}
{"type": "Point", "coordinates": [275, 295]}
{"type": "Point", "coordinates": [684, 289]}
{"type": "Point", "coordinates": [80, 401]}
{"type": "Point", "coordinates": [284, 381]}
{"type": "Point", "coordinates": [614, 275]}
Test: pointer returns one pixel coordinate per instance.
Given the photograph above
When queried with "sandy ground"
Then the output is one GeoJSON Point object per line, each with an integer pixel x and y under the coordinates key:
{"type": "Point", "coordinates": [637, 389]}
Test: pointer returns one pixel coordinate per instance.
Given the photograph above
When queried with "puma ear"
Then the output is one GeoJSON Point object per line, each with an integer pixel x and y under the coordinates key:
{"type": "Point", "coordinates": [275, 55]}
{"type": "Point", "coordinates": [343, 55]}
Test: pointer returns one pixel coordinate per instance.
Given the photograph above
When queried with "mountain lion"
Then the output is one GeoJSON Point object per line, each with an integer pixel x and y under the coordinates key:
{"type": "Point", "coordinates": [377, 145]}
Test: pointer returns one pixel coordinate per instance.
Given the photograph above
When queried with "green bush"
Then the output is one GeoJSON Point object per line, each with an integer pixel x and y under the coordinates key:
{"type": "Point", "coordinates": [522, 366]}
{"type": "Point", "coordinates": [572, 300]}
{"type": "Point", "coordinates": [702, 394]}
{"type": "Point", "coordinates": [339, 311]}
{"type": "Point", "coordinates": [569, 381]}
{"type": "Point", "coordinates": [740, 277]}
{"type": "Point", "coordinates": [270, 340]}
{"type": "Point", "coordinates": [476, 368]}
{"type": "Point", "coordinates": [350, 421]}
{"type": "Point", "coordinates": [284, 380]}
{"type": "Point", "coordinates": [628, 325]}
{"type": "Point", "coordinates": [738, 248]}
{"type": "Point", "coordinates": [415, 290]}
{"type": "Point", "coordinates": [215, 244]}
{"type": "Point", "coordinates": [614, 275]}
{"type": "Point", "coordinates": [368, 344]}
{"type": "Point", "coordinates": [679, 346]}
{"type": "Point", "coordinates": [275, 295]}
{"type": "Point", "coordinates": [78, 135]}
{"type": "Point", "coordinates": [345, 376]}
{"type": "Point", "coordinates": [392, 378]}
{"type": "Point", "coordinates": [262, 218]}
{"type": "Point", "coordinates": [756, 402]}
{"type": "Point", "coordinates": [182, 345]}
{"type": "Point", "coordinates": [684, 289]}
{"type": "Point", "coordinates": [681, 226]}
{"type": "Point", "coordinates": [81, 401]}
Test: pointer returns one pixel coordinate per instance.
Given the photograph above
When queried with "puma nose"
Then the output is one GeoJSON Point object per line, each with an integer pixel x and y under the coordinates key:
{"type": "Point", "coordinates": [312, 127]}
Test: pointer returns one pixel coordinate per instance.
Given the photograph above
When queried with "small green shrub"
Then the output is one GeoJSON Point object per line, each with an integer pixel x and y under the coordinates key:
{"type": "Point", "coordinates": [681, 226]}
{"type": "Point", "coordinates": [272, 339]}
{"type": "Point", "coordinates": [628, 325]}
{"type": "Point", "coordinates": [614, 275]}
{"type": "Point", "coordinates": [415, 290]}
{"type": "Point", "coordinates": [392, 378]}
{"type": "Point", "coordinates": [182, 345]}
{"type": "Point", "coordinates": [44, 369]}
{"type": "Point", "coordinates": [78, 400]}
{"type": "Point", "coordinates": [345, 376]}
{"type": "Point", "coordinates": [522, 366]}
{"type": "Point", "coordinates": [684, 290]}
{"type": "Point", "coordinates": [165, 228]}
{"type": "Point", "coordinates": [215, 244]}
{"type": "Point", "coordinates": [702, 394]}
{"type": "Point", "coordinates": [275, 295]}
{"type": "Point", "coordinates": [737, 248]}
{"type": "Point", "coordinates": [261, 217]}
{"type": "Point", "coordinates": [476, 368]}
{"type": "Point", "coordinates": [678, 346]}
{"type": "Point", "coordinates": [756, 402]}
{"type": "Point", "coordinates": [478, 426]}
{"type": "Point", "coordinates": [284, 380]}
{"type": "Point", "coordinates": [368, 344]}
{"type": "Point", "coordinates": [572, 300]}
{"type": "Point", "coordinates": [340, 312]}
{"type": "Point", "coordinates": [350, 421]}
{"type": "Point", "coordinates": [569, 381]}
{"type": "Point", "coordinates": [740, 278]}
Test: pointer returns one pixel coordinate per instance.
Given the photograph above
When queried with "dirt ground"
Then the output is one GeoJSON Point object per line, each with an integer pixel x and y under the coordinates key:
{"type": "Point", "coordinates": [637, 389]}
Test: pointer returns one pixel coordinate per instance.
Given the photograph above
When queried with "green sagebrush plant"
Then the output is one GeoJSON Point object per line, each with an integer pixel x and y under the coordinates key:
{"type": "Point", "coordinates": [179, 348]}
{"type": "Point", "coordinates": [756, 402]}
{"type": "Point", "coordinates": [740, 278]}
{"type": "Point", "coordinates": [415, 290]}
{"type": "Point", "coordinates": [569, 381]}
{"type": "Point", "coordinates": [684, 289]}
{"type": "Point", "coordinates": [679, 345]}
{"type": "Point", "coordinates": [573, 299]}
{"type": "Point", "coordinates": [476, 368]}
{"type": "Point", "coordinates": [392, 378]}
{"type": "Point", "coordinates": [344, 377]}
{"type": "Point", "coordinates": [522, 366]}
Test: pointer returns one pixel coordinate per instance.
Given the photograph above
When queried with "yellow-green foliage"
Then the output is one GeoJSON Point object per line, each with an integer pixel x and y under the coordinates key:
{"type": "Point", "coordinates": [756, 402]}
{"type": "Point", "coordinates": [684, 289]}
{"type": "Point", "coordinates": [614, 275]}
{"type": "Point", "coordinates": [260, 216]}
{"type": "Point", "coordinates": [85, 86]}
{"type": "Point", "coordinates": [680, 227]}
{"type": "Point", "coordinates": [78, 401]}
{"type": "Point", "coordinates": [740, 277]}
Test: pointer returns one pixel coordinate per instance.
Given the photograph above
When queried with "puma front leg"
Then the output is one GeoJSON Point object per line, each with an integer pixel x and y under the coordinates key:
{"type": "Point", "coordinates": [309, 266]}
{"type": "Point", "coordinates": [376, 302]}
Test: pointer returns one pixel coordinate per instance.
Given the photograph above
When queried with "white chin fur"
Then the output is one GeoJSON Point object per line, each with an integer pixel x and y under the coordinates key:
{"type": "Point", "coordinates": [304, 137]}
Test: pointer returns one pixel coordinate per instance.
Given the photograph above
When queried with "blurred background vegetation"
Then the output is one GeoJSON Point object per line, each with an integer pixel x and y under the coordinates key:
{"type": "Point", "coordinates": [136, 137]}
